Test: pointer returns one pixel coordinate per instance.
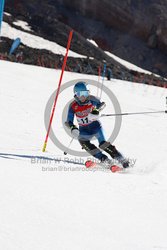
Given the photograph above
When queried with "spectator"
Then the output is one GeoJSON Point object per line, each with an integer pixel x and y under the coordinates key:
{"type": "Point", "coordinates": [109, 73]}
{"type": "Point", "coordinates": [78, 68]}
{"type": "Point", "coordinates": [19, 56]}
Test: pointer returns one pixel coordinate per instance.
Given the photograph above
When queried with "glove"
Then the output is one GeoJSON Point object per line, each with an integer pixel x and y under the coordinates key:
{"type": "Point", "coordinates": [95, 111]}
{"type": "Point", "coordinates": [74, 131]}
{"type": "Point", "coordinates": [94, 115]}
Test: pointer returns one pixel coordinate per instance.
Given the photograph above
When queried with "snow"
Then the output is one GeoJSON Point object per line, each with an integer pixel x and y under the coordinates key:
{"type": "Point", "coordinates": [127, 64]}
{"type": "Point", "coordinates": [46, 204]}
{"type": "Point", "coordinates": [93, 42]}
{"type": "Point", "coordinates": [35, 41]}
{"type": "Point", "coordinates": [121, 61]}
{"type": "Point", "coordinates": [7, 14]}
{"type": "Point", "coordinates": [23, 25]}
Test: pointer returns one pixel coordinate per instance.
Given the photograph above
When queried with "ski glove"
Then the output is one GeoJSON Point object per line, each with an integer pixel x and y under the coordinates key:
{"type": "Point", "coordinates": [74, 131]}
{"type": "Point", "coordinates": [94, 115]}
{"type": "Point", "coordinates": [95, 111]}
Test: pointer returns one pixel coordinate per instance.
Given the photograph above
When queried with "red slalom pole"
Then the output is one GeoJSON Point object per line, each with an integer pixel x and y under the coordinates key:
{"type": "Point", "coordinates": [58, 90]}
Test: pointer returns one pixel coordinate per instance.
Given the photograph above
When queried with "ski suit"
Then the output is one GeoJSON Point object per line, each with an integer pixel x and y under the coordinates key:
{"type": "Point", "coordinates": [90, 127]}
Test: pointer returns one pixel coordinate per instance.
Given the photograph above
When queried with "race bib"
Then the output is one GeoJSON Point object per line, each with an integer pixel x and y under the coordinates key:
{"type": "Point", "coordinates": [87, 119]}
{"type": "Point", "coordinates": [83, 121]}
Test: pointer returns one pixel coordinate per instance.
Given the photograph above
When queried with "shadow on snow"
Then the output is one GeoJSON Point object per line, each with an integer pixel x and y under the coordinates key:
{"type": "Point", "coordinates": [36, 157]}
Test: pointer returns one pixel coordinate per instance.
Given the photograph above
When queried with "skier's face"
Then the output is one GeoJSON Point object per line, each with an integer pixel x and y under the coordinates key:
{"type": "Point", "coordinates": [82, 95]}
{"type": "Point", "coordinates": [82, 98]}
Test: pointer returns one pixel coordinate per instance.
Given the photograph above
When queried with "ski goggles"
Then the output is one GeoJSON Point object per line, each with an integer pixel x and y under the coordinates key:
{"type": "Point", "coordinates": [84, 93]}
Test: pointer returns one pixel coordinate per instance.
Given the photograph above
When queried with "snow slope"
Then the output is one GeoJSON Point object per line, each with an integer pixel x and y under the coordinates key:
{"type": "Point", "coordinates": [34, 41]}
{"type": "Point", "coordinates": [48, 205]}
{"type": "Point", "coordinates": [127, 64]}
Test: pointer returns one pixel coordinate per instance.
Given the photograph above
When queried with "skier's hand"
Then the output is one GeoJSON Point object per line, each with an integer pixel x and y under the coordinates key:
{"type": "Point", "coordinates": [94, 115]}
{"type": "Point", "coordinates": [74, 131]}
{"type": "Point", "coordinates": [95, 111]}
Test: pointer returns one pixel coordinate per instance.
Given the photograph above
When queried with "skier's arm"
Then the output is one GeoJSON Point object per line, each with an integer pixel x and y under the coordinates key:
{"type": "Point", "coordinates": [98, 105]}
{"type": "Point", "coordinates": [101, 106]}
{"type": "Point", "coordinates": [69, 123]}
{"type": "Point", "coordinates": [70, 117]}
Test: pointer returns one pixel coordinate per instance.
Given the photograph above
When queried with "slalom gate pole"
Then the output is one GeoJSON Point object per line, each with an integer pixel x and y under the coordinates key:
{"type": "Point", "coordinates": [99, 74]}
{"type": "Point", "coordinates": [2, 3]}
{"type": "Point", "coordinates": [137, 113]}
{"type": "Point", "coordinates": [58, 90]}
{"type": "Point", "coordinates": [104, 72]}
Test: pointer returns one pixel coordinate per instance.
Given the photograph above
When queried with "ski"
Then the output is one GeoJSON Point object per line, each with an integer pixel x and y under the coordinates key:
{"type": "Point", "coordinates": [113, 167]}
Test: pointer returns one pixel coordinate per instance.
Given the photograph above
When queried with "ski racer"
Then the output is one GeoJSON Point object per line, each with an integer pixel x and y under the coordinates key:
{"type": "Point", "coordinates": [86, 108]}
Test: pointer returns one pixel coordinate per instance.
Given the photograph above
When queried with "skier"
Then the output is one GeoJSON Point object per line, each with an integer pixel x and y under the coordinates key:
{"type": "Point", "coordinates": [86, 107]}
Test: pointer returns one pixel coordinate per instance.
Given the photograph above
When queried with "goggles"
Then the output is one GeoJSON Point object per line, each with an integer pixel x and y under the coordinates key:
{"type": "Point", "coordinates": [84, 93]}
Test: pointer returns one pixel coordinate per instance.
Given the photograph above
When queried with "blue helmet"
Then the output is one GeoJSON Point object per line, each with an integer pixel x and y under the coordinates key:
{"type": "Point", "coordinates": [80, 91]}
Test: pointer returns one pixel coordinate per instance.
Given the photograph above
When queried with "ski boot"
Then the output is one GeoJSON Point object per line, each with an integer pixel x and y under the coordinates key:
{"type": "Point", "coordinates": [114, 153]}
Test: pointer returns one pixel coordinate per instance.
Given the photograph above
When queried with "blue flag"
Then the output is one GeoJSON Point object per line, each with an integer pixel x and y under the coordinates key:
{"type": "Point", "coordinates": [15, 45]}
{"type": "Point", "coordinates": [2, 2]}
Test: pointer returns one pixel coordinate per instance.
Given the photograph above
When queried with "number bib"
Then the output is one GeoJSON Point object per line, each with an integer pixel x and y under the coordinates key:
{"type": "Point", "coordinates": [84, 121]}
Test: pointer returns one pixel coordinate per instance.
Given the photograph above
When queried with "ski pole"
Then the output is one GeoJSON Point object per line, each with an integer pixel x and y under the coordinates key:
{"type": "Point", "coordinates": [138, 113]}
{"type": "Point", "coordinates": [135, 113]}
{"type": "Point", "coordinates": [66, 152]}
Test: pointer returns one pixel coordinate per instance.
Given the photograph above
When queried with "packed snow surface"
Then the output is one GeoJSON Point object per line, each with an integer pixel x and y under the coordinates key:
{"type": "Point", "coordinates": [48, 205]}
